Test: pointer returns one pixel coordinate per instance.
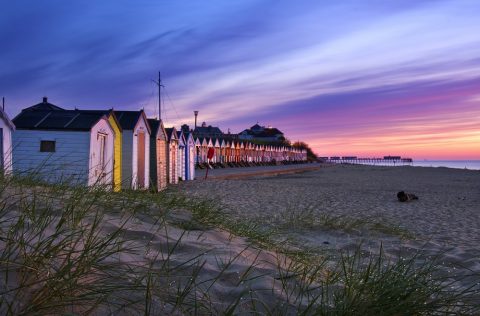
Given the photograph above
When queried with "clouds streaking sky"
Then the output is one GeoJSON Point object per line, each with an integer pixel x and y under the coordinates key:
{"type": "Point", "coordinates": [364, 78]}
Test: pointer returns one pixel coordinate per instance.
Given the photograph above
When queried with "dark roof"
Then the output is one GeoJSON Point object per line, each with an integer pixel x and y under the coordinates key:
{"type": "Point", "coordinates": [256, 126]}
{"type": "Point", "coordinates": [128, 119]}
{"type": "Point", "coordinates": [75, 120]}
{"type": "Point", "coordinates": [169, 132]}
{"type": "Point", "coordinates": [154, 125]}
{"type": "Point", "coordinates": [179, 133]}
{"type": "Point", "coordinates": [207, 130]}
{"type": "Point", "coordinates": [44, 106]}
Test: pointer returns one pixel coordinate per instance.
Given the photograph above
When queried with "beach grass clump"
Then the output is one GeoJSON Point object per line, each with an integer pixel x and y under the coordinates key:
{"type": "Point", "coordinates": [67, 249]}
{"type": "Point", "coordinates": [375, 285]}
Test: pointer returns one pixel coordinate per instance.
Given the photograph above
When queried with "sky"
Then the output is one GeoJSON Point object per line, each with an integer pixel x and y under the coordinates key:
{"type": "Point", "coordinates": [364, 78]}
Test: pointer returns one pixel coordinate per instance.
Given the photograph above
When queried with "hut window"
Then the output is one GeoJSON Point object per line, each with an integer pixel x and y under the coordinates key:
{"type": "Point", "coordinates": [47, 146]}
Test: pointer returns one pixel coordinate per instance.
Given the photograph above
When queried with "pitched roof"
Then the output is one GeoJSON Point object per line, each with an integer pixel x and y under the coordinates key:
{"type": "Point", "coordinates": [44, 106]}
{"type": "Point", "coordinates": [73, 120]}
{"type": "Point", "coordinates": [170, 133]}
{"type": "Point", "coordinates": [154, 125]}
{"type": "Point", "coordinates": [181, 134]}
{"type": "Point", "coordinates": [128, 119]}
{"type": "Point", "coordinates": [6, 119]}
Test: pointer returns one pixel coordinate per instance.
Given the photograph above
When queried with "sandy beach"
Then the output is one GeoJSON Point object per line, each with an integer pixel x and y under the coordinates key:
{"type": "Point", "coordinates": [200, 246]}
{"type": "Point", "coordinates": [342, 206]}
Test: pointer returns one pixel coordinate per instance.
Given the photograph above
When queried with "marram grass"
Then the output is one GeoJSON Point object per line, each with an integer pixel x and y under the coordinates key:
{"type": "Point", "coordinates": [58, 257]}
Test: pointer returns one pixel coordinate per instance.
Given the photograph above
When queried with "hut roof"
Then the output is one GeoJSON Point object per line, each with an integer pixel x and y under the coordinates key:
{"type": "Point", "coordinates": [154, 125]}
{"type": "Point", "coordinates": [171, 133]}
{"type": "Point", "coordinates": [43, 106]}
{"type": "Point", "coordinates": [6, 119]}
{"type": "Point", "coordinates": [74, 120]}
{"type": "Point", "coordinates": [128, 119]}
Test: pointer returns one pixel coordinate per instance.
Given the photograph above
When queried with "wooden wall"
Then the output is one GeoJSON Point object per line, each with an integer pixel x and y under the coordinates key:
{"type": "Point", "coordinates": [6, 147]}
{"type": "Point", "coordinates": [117, 162]}
{"type": "Point", "coordinates": [69, 161]}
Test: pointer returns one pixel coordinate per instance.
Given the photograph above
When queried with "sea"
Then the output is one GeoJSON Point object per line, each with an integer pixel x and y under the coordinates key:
{"type": "Point", "coordinates": [456, 164]}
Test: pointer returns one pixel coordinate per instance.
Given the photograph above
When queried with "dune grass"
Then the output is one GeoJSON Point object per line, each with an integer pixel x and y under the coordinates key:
{"type": "Point", "coordinates": [67, 250]}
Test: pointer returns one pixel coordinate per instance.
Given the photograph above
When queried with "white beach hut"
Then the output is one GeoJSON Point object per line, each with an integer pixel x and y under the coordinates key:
{"type": "Point", "coordinates": [198, 146]}
{"type": "Point", "coordinates": [172, 152]}
{"type": "Point", "coordinates": [217, 148]}
{"type": "Point", "coordinates": [190, 156]}
{"type": "Point", "coordinates": [223, 153]}
{"type": "Point", "coordinates": [181, 170]}
{"type": "Point", "coordinates": [64, 145]}
{"type": "Point", "coordinates": [6, 129]}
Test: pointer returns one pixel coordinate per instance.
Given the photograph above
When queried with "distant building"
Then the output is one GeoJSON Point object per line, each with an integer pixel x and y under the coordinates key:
{"type": "Point", "coordinates": [257, 132]}
{"type": "Point", "coordinates": [208, 131]}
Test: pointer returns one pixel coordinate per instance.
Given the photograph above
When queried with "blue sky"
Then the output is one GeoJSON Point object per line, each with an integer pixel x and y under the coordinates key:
{"type": "Point", "coordinates": [344, 76]}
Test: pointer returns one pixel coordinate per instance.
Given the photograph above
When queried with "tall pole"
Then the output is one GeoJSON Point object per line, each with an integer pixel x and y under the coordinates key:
{"type": "Point", "coordinates": [160, 85]}
{"type": "Point", "coordinates": [196, 114]}
{"type": "Point", "coordinates": [159, 97]}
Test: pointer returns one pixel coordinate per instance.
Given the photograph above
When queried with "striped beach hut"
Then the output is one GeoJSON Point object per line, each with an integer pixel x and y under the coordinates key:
{"type": "Point", "coordinates": [64, 145]}
{"type": "Point", "coordinates": [223, 148]}
{"type": "Point", "coordinates": [6, 129]}
{"type": "Point", "coordinates": [135, 149]}
{"type": "Point", "coordinates": [217, 150]}
{"type": "Point", "coordinates": [198, 146]}
{"type": "Point", "coordinates": [181, 170]}
{"type": "Point", "coordinates": [190, 156]}
{"type": "Point", "coordinates": [158, 155]}
{"type": "Point", "coordinates": [172, 152]}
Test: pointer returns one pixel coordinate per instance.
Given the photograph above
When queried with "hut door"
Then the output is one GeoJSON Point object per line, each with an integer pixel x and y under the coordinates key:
{"type": "Point", "coordinates": [191, 162]}
{"type": "Point", "coordinates": [1, 151]}
{"type": "Point", "coordinates": [141, 160]}
{"type": "Point", "coordinates": [102, 139]}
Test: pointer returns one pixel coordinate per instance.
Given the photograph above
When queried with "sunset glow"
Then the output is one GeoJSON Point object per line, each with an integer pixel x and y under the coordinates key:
{"type": "Point", "coordinates": [351, 78]}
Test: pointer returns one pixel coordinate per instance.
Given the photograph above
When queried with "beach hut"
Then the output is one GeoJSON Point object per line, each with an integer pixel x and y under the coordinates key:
{"type": "Point", "coordinates": [172, 152]}
{"type": "Point", "coordinates": [223, 147]}
{"type": "Point", "coordinates": [198, 146]}
{"type": "Point", "coordinates": [158, 155]}
{"type": "Point", "coordinates": [190, 156]}
{"type": "Point", "coordinates": [64, 145]}
{"type": "Point", "coordinates": [228, 151]}
{"type": "Point", "coordinates": [210, 144]}
{"type": "Point", "coordinates": [237, 151]}
{"type": "Point", "coordinates": [203, 150]}
{"type": "Point", "coordinates": [135, 159]}
{"type": "Point", "coordinates": [217, 146]}
{"type": "Point", "coordinates": [117, 151]}
{"type": "Point", "coordinates": [6, 129]}
{"type": "Point", "coordinates": [181, 170]}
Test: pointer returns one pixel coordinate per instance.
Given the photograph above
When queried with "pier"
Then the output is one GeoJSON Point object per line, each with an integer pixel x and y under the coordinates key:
{"type": "Point", "coordinates": [385, 161]}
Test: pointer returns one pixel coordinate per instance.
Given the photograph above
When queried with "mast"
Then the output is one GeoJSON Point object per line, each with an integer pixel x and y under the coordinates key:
{"type": "Point", "coordinates": [159, 84]}
{"type": "Point", "coordinates": [159, 97]}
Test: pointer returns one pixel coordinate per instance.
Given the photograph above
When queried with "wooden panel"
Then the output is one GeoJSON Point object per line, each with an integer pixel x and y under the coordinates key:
{"type": "Point", "coordinates": [161, 164]}
{"type": "Point", "coordinates": [70, 160]}
{"type": "Point", "coordinates": [1, 151]}
{"type": "Point", "coordinates": [127, 158]}
{"type": "Point", "coordinates": [117, 159]}
{"type": "Point", "coordinates": [141, 160]}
